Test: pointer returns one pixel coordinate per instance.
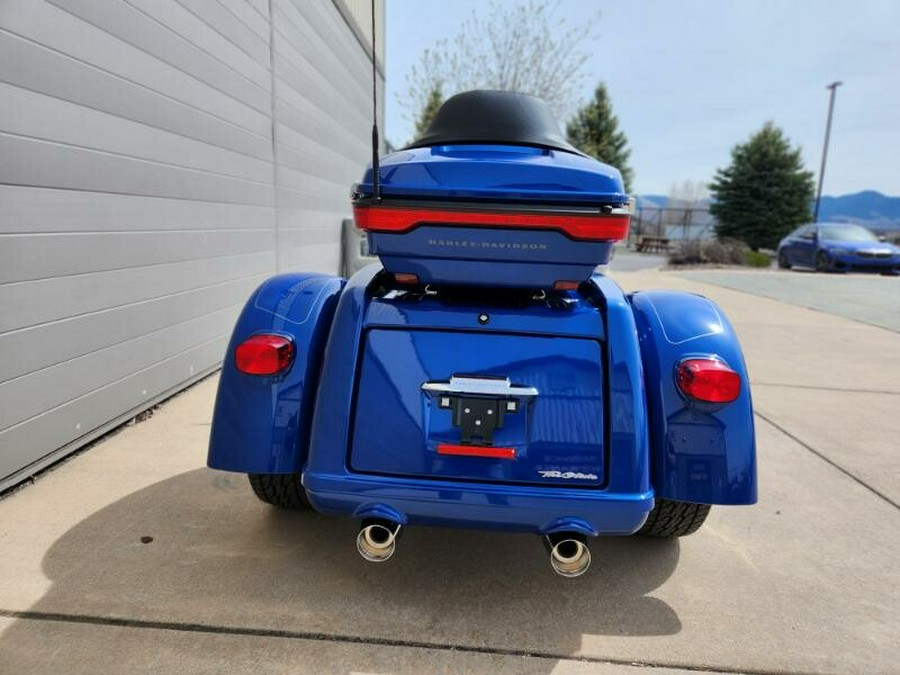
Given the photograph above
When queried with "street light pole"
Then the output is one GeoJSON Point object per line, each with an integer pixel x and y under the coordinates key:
{"type": "Point", "coordinates": [833, 86]}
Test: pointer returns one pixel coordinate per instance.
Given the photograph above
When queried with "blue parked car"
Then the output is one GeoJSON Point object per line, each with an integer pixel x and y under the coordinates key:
{"type": "Point", "coordinates": [837, 247]}
{"type": "Point", "coordinates": [482, 374]}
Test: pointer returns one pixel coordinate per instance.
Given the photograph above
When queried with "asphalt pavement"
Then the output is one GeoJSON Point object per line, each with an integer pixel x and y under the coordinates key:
{"type": "Point", "coordinates": [133, 557]}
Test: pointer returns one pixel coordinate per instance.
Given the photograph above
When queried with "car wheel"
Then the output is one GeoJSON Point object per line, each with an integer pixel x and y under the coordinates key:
{"type": "Point", "coordinates": [822, 262]}
{"type": "Point", "coordinates": [283, 490]}
{"type": "Point", "coordinates": [783, 261]}
{"type": "Point", "coordinates": [674, 519]}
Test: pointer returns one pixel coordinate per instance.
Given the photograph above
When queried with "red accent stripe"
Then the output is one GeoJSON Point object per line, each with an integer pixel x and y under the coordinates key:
{"type": "Point", "coordinates": [593, 227]}
{"type": "Point", "coordinates": [476, 451]}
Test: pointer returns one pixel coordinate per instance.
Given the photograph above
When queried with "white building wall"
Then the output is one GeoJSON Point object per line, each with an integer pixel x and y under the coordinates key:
{"type": "Point", "coordinates": [158, 160]}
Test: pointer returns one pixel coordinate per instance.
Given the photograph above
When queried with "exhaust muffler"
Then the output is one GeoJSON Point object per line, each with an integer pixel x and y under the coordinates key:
{"type": "Point", "coordinates": [377, 539]}
{"type": "Point", "coordinates": [569, 553]}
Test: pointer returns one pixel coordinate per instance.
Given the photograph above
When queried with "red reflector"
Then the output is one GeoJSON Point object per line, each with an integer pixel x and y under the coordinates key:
{"type": "Point", "coordinates": [708, 380]}
{"type": "Point", "coordinates": [476, 451]}
{"type": "Point", "coordinates": [264, 355]}
{"type": "Point", "coordinates": [566, 285]}
{"type": "Point", "coordinates": [404, 278]}
{"type": "Point", "coordinates": [589, 226]}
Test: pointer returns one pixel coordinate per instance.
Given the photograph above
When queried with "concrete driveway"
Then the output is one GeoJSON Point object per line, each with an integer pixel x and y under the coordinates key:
{"type": "Point", "coordinates": [132, 557]}
{"type": "Point", "coordinates": [867, 298]}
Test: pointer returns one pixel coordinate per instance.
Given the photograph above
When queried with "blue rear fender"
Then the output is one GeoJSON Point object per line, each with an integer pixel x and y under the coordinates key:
{"type": "Point", "coordinates": [261, 423]}
{"type": "Point", "coordinates": [700, 453]}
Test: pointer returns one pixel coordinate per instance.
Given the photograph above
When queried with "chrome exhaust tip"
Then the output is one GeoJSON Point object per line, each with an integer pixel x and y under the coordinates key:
{"type": "Point", "coordinates": [377, 539]}
{"type": "Point", "coordinates": [569, 554]}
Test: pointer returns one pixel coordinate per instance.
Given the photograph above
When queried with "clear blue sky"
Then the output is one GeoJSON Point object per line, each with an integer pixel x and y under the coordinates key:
{"type": "Point", "coordinates": [689, 79]}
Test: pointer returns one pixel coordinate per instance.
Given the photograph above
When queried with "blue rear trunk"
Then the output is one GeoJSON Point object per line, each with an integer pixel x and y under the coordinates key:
{"type": "Point", "coordinates": [401, 368]}
{"type": "Point", "coordinates": [524, 210]}
{"type": "Point", "coordinates": [554, 430]}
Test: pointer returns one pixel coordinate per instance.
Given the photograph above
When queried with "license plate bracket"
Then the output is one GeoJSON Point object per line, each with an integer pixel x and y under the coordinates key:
{"type": "Point", "coordinates": [479, 404]}
{"type": "Point", "coordinates": [477, 418]}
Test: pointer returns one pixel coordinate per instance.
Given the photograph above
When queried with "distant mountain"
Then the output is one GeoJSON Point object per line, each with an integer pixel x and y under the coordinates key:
{"type": "Point", "coordinates": [872, 209]}
{"type": "Point", "coordinates": [869, 208]}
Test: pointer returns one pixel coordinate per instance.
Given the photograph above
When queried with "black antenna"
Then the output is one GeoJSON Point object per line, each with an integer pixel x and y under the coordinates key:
{"type": "Point", "coordinates": [376, 187]}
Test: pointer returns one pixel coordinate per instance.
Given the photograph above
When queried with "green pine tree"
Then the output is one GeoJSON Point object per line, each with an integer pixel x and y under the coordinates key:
{"type": "Point", "coordinates": [764, 193]}
{"type": "Point", "coordinates": [434, 101]}
{"type": "Point", "coordinates": [595, 130]}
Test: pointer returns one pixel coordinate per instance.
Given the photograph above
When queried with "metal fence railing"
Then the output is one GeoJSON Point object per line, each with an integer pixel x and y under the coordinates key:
{"type": "Point", "coordinates": [673, 224]}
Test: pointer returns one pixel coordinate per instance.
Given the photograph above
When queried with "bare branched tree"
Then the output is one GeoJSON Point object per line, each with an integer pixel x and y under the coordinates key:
{"type": "Point", "coordinates": [684, 196]}
{"type": "Point", "coordinates": [515, 47]}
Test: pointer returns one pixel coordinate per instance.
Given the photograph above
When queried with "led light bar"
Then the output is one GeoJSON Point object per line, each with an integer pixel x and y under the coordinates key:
{"type": "Point", "coordinates": [580, 225]}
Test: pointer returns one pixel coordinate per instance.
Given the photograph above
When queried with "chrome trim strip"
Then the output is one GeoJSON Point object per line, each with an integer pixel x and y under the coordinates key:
{"type": "Point", "coordinates": [480, 386]}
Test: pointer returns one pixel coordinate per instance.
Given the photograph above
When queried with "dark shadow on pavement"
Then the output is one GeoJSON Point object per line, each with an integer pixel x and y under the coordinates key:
{"type": "Point", "coordinates": [216, 556]}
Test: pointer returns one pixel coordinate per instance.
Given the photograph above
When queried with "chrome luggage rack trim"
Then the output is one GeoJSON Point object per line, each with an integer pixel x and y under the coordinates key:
{"type": "Point", "coordinates": [480, 386]}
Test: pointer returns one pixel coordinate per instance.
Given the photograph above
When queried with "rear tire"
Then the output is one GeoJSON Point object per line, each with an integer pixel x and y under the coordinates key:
{"type": "Point", "coordinates": [674, 519]}
{"type": "Point", "coordinates": [283, 490]}
{"type": "Point", "coordinates": [822, 262]}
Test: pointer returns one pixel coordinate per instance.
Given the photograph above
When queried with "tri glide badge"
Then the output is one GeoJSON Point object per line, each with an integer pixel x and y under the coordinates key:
{"type": "Point", "coordinates": [570, 475]}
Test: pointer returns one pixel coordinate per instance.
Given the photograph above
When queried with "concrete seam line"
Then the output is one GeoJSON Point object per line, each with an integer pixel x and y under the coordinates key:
{"type": "Point", "coordinates": [825, 459]}
{"type": "Point", "coordinates": [119, 622]}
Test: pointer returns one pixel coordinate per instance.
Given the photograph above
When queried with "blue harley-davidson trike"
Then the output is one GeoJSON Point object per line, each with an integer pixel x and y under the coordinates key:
{"type": "Point", "coordinates": [484, 375]}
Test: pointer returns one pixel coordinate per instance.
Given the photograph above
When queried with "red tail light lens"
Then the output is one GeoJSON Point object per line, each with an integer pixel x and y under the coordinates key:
{"type": "Point", "coordinates": [403, 278]}
{"type": "Point", "coordinates": [581, 226]}
{"type": "Point", "coordinates": [566, 285]}
{"type": "Point", "coordinates": [264, 355]}
{"type": "Point", "coordinates": [708, 380]}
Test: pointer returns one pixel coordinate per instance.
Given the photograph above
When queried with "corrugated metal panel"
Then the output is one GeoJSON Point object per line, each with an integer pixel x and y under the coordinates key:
{"type": "Point", "coordinates": [360, 13]}
{"type": "Point", "coordinates": [159, 159]}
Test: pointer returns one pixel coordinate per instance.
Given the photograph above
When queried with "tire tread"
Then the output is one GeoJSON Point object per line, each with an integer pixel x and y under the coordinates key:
{"type": "Point", "coordinates": [674, 519]}
{"type": "Point", "coordinates": [283, 490]}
